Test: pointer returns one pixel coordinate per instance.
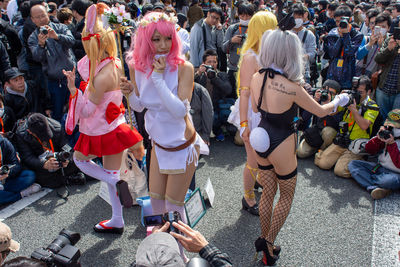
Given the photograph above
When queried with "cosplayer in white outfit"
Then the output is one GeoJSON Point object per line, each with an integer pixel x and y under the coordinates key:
{"type": "Point", "coordinates": [162, 82]}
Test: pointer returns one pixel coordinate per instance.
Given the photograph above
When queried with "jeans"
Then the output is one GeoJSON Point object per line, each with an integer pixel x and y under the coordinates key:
{"type": "Point", "coordinates": [386, 102]}
{"type": "Point", "coordinates": [13, 187]}
{"type": "Point", "coordinates": [59, 94]}
{"type": "Point", "coordinates": [383, 178]}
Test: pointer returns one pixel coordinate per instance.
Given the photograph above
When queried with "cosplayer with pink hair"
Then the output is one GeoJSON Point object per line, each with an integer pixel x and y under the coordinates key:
{"type": "Point", "coordinates": [162, 82]}
{"type": "Point", "coordinates": [100, 113]}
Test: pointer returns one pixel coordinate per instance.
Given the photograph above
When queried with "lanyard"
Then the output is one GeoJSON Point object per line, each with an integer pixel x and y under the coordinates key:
{"type": "Point", "coordinates": [240, 30]}
{"type": "Point", "coordinates": [2, 126]}
{"type": "Point", "coordinates": [44, 147]}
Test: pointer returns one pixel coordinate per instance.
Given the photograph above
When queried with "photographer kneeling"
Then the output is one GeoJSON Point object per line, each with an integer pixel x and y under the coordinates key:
{"type": "Point", "coordinates": [43, 148]}
{"type": "Point", "coordinates": [218, 86]}
{"type": "Point", "coordinates": [382, 177]}
{"type": "Point", "coordinates": [358, 119]}
{"type": "Point", "coordinates": [148, 253]}
{"type": "Point", "coordinates": [323, 130]}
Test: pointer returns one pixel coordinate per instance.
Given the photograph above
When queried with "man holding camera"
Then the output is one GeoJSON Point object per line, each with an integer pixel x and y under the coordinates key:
{"type": "Point", "coordinates": [218, 86]}
{"type": "Point", "coordinates": [357, 122]}
{"type": "Point", "coordinates": [388, 91]}
{"type": "Point", "coordinates": [323, 130]}
{"type": "Point", "coordinates": [382, 177]}
{"type": "Point", "coordinates": [341, 45]}
{"type": "Point", "coordinates": [15, 183]}
{"type": "Point", "coordinates": [234, 39]}
{"type": "Point", "coordinates": [51, 45]}
{"type": "Point", "coordinates": [42, 146]}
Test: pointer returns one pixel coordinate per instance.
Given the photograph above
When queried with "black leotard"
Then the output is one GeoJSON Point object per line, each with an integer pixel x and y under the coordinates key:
{"type": "Point", "coordinates": [279, 126]}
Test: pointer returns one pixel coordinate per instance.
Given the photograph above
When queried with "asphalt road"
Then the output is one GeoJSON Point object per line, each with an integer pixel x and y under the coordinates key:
{"type": "Point", "coordinates": [331, 222]}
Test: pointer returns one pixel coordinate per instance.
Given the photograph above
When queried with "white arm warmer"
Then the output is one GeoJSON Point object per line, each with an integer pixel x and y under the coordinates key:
{"type": "Point", "coordinates": [171, 102]}
{"type": "Point", "coordinates": [135, 103]}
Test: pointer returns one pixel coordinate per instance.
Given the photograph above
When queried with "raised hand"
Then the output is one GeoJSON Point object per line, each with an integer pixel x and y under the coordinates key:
{"type": "Point", "coordinates": [70, 75]}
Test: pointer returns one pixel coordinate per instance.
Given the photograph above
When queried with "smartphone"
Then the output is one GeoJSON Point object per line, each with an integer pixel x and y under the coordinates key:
{"type": "Point", "coordinates": [153, 220]}
{"type": "Point", "coordinates": [377, 30]}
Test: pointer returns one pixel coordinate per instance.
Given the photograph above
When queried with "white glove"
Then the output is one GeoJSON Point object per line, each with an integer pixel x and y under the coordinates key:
{"type": "Point", "coordinates": [340, 100]}
{"type": "Point", "coordinates": [171, 102]}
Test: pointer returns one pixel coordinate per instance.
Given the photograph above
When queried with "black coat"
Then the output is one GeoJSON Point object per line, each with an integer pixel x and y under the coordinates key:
{"type": "Point", "coordinates": [13, 40]}
{"type": "Point", "coordinates": [78, 49]}
{"type": "Point", "coordinates": [4, 61]}
{"type": "Point", "coordinates": [36, 100]}
{"type": "Point", "coordinates": [29, 147]}
{"type": "Point", "coordinates": [221, 87]}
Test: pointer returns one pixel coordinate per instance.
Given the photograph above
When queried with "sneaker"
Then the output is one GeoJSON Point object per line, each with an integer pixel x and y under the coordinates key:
{"type": "Point", "coordinates": [34, 188]}
{"type": "Point", "coordinates": [379, 193]}
{"type": "Point", "coordinates": [220, 137]}
{"type": "Point", "coordinates": [76, 179]}
{"type": "Point", "coordinates": [212, 135]}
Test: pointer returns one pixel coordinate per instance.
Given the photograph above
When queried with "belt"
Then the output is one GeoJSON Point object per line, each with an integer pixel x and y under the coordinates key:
{"type": "Point", "coordinates": [181, 147]}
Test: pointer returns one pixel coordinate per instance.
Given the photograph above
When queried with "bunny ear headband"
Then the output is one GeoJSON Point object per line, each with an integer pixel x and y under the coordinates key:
{"type": "Point", "coordinates": [90, 22]}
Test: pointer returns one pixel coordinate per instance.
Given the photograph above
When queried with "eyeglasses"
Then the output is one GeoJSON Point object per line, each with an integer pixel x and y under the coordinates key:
{"type": "Point", "coordinates": [215, 17]}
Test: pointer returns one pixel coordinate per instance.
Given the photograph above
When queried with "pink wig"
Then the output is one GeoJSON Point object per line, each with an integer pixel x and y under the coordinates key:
{"type": "Point", "coordinates": [142, 50]}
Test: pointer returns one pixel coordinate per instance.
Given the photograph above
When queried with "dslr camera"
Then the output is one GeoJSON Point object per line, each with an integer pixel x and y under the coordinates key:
{"type": "Point", "coordinates": [43, 30]}
{"type": "Point", "coordinates": [64, 155]}
{"type": "Point", "coordinates": [243, 36]}
{"type": "Point", "coordinates": [5, 169]}
{"type": "Point", "coordinates": [60, 252]}
{"type": "Point", "coordinates": [343, 137]}
{"type": "Point", "coordinates": [161, 219]}
{"type": "Point", "coordinates": [344, 22]}
{"type": "Point", "coordinates": [385, 134]}
{"type": "Point", "coordinates": [211, 73]}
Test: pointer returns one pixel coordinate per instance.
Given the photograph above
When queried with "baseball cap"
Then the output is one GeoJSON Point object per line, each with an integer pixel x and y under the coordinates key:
{"type": "Point", "coordinates": [159, 249]}
{"type": "Point", "coordinates": [393, 118]}
{"type": "Point", "coordinates": [12, 73]}
{"type": "Point", "coordinates": [6, 241]}
{"type": "Point", "coordinates": [159, 5]}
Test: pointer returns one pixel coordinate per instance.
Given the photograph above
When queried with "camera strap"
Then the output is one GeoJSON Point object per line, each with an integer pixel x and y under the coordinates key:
{"type": "Point", "coordinates": [43, 146]}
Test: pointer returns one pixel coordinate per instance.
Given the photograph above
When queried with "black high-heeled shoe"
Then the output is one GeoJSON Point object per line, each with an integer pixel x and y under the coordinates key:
{"type": "Point", "coordinates": [261, 244]}
{"type": "Point", "coordinates": [252, 210]}
{"type": "Point", "coordinates": [257, 186]}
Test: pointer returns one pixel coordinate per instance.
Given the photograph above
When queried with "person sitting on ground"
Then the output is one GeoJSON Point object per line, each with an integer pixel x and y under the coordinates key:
{"type": "Point", "coordinates": [24, 262]}
{"type": "Point", "coordinates": [15, 183]}
{"type": "Point", "coordinates": [37, 139]}
{"type": "Point", "coordinates": [7, 118]}
{"type": "Point", "coordinates": [148, 253]}
{"type": "Point", "coordinates": [381, 178]}
{"type": "Point", "coordinates": [24, 97]}
{"type": "Point", "coordinates": [323, 130]}
{"type": "Point", "coordinates": [7, 244]}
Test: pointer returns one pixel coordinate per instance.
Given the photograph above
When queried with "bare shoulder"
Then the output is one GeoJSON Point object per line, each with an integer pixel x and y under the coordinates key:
{"type": "Point", "coordinates": [106, 79]}
{"type": "Point", "coordinates": [186, 67]}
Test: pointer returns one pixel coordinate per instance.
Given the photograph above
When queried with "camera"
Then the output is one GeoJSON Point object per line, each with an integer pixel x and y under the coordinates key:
{"type": "Point", "coordinates": [60, 252]}
{"type": "Point", "coordinates": [385, 134]}
{"type": "Point", "coordinates": [161, 219]}
{"type": "Point", "coordinates": [343, 137]}
{"type": "Point", "coordinates": [396, 33]}
{"type": "Point", "coordinates": [324, 95]}
{"type": "Point", "coordinates": [353, 95]}
{"type": "Point", "coordinates": [43, 30]}
{"type": "Point", "coordinates": [5, 169]}
{"type": "Point", "coordinates": [211, 73]}
{"type": "Point", "coordinates": [243, 36]}
{"type": "Point", "coordinates": [344, 22]}
{"type": "Point", "coordinates": [64, 155]}
{"type": "Point", "coordinates": [320, 28]}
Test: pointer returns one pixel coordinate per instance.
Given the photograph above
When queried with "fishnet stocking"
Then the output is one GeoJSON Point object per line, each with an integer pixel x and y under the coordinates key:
{"type": "Point", "coordinates": [282, 208]}
{"type": "Point", "coordinates": [267, 178]}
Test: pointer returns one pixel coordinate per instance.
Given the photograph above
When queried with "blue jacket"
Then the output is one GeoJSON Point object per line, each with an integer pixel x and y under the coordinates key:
{"type": "Point", "coordinates": [342, 68]}
{"type": "Point", "coordinates": [9, 157]}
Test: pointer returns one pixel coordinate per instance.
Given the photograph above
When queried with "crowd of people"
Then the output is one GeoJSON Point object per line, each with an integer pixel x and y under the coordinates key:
{"type": "Point", "coordinates": [285, 79]}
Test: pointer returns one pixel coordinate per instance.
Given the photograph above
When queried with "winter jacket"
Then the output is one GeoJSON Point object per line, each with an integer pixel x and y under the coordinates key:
{"type": "Point", "coordinates": [385, 57]}
{"type": "Point", "coordinates": [4, 61]}
{"type": "Point", "coordinates": [390, 157]}
{"type": "Point", "coordinates": [28, 29]}
{"type": "Point", "coordinates": [9, 157]}
{"type": "Point", "coordinates": [13, 41]}
{"type": "Point", "coordinates": [233, 49]}
{"type": "Point", "coordinates": [29, 147]}
{"type": "Point", "coordinates": [56, 55]}
{"type": "Point", "coordinates": [202, 111]}
{"type": "Point", "coordinates": [218, 87]}
{"type": "Point", "coordinates": [78, 49]}
{"type": "Point", "coordinates": [342, 68]}
{"type": "Point", "coordinates": [36, 99]}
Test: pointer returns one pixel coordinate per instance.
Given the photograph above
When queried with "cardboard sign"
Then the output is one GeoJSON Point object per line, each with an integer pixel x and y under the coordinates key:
{"type": "Point", "coordinates": [209, 189]}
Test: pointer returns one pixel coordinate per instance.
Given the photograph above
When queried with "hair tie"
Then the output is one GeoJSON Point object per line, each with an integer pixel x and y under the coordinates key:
{"type": "Point", "coordinates": [287, 23]}
{"type": "Point", "coordinates": [87, 38]}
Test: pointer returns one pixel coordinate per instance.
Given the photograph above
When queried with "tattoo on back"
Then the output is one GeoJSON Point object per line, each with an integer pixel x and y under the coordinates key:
{"type": "Point", "coordinates": [279, 87]}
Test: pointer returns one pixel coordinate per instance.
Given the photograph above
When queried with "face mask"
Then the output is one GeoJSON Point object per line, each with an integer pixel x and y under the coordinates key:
{"type": "Point", "coordinates": [299, 23]}
{"type": "Point", "coordinates": [244, 22]}
{"type": "Point", "coordinates": [1, 112]}
{"type": "Point", "coordinates": [363, 16]}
